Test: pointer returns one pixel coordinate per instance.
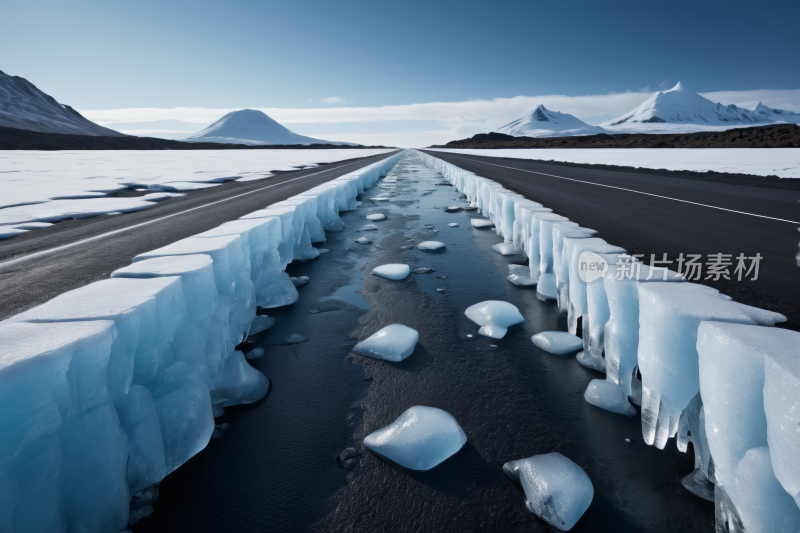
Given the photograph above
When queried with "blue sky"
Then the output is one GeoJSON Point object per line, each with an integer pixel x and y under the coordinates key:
{"type": "Point", "coordinates": [295, 55]}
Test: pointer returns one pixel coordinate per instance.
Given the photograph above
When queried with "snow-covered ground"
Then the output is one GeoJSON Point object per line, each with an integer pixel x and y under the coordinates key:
{"type": "Point", "coordinates": [781, 162]}
{"type": "Point", "coordinates": [44, 187]}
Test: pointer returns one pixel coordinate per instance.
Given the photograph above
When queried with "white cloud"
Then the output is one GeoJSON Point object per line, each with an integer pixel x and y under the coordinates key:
{"type": "Point", "coordinates": [332, 100]}
{"type": "Point", "coordinates": [461, 119]}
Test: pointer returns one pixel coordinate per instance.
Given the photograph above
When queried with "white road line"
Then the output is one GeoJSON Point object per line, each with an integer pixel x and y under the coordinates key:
{"type": "Point", "coordinates": [89, 239]}
{"type": "Point", "coordinates": [629, 190]}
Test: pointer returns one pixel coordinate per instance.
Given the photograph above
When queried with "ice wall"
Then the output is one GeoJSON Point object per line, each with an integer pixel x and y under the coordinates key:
{"type": "Point", "coordinates": [106, 389]}
{"type": "Point", "coordinates": [704, 369]}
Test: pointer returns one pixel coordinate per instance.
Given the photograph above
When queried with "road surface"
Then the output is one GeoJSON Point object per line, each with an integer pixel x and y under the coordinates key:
{"type": "Point", "coordinates": [38, 265]}
{"type": "Point", "coordinates": [651, 214]}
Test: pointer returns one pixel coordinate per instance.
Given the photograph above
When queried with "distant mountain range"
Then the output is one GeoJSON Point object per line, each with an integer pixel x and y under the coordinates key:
{"type": "Point", "coordinates": [678, 110]}
{"type": "Point", "coordinates": [249, 126]}
{"type": "Point", "coordinates": [24, 106]}
{"type": "Point", "coordinates": [542, 122]}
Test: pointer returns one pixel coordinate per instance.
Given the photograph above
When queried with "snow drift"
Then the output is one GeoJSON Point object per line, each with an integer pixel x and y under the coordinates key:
{"type": "Point", "coordinates": [106, 389]}
{"type": "Point", "coordinates": [704, 369]}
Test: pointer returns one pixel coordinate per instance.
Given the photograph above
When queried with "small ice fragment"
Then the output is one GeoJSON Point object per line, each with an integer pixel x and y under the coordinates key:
{"type": "Point", "coordinates": [440, 290]}
{"type": "Point", "coordinates": [314, 311]}
{"type": "Point", "coordinates": [482, 223]}
{"type": "Point", "coordinates": [381, 199]}
{"type": "Point", "coordinates": [557, 342]}
{"type": "Point", "coordinates": [219, 429]}
{"type": "Point", "coordinates": [506, 248]}
{"type": "Point", "coordinates": [587, 360]}
{"type": "Point", "coordinates": [376, 216]}
{"type": "Point", "coordinates": [431, 245]}
{"type": "Point", "coordinates": [469, 335]}
{"type": "Point", "coordinates": [428, 225]}
{"type": "Point", "coordinates": [453, 225]}
{"type": "Point", "coordinates": [392, 271]}
{"type": "Point", "coordinates": [556, 489]}
{"type": "Point", "coordinates": [261, 323]}
{"type": "Point", "coordinates": [547, 286]}
{"type": "Point", "coordinates": [299, 281]}
{"type": "Point", "coordinates": [471, 208]}
{"type": "Point", "coordinates": [628, 441]}
{"type": "Point", "coordinates": [363, 240]}
{"type": "Point", "coordinates": [254, 353]}
{"type": "Point", "coordinates": [520, 275]}
{"type": "Point", "coordinates": [392, 343]}
{"type": "Point", "coordinates": [369, 227]}
{"type": "Point", "coordinates": [608, 396]}
{"type": "Point", "coordinates": [452, 209]}
{"type": "Point", "coordinates": [423, 270]}
{"type": "Point", "coordinates": [419, 439]}
{"type": "Point", "coordinates": [442, 277]}
{"type": "Point", "coordinates": [493, 346]}
{"type": "Point", "coordinates": [294, 338]}
{"type": "Point", "coordinates": [494, 317]}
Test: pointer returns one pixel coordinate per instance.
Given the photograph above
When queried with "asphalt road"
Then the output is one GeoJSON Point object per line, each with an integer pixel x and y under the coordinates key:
{"type": "Point", "coordinates": [651, 214]}
{"type": "Point", "coordinates": [38, 265]}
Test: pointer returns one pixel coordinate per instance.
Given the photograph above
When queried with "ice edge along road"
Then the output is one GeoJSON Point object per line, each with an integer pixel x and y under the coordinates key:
{"type": "Point", "coordinates": [33, 255]}
{"type": "Point", "coordinates": [29, 278]}
{"type": "Point", "coordinates": [622, 189]}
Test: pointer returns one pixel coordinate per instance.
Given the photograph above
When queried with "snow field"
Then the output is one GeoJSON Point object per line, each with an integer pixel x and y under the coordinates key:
{"type": "Point", "coordinates": [56, 185]}
{"type": "Point", "coordinates": [108, 388]}
{"type": "Point", "coordinates": [703, 368]}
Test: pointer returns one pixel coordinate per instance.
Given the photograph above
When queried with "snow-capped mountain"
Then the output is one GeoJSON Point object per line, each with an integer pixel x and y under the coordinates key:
{"type": "Point", "coordinates": [24, 106]}
{"type": "Point", "coordinates": [249, 126]}
{"type": "Point", "coordinates": [680, 109]}
{"type": "Point", "coordinates": [541, 122]}
{"type": "Point", "coordinates": [776, 115]}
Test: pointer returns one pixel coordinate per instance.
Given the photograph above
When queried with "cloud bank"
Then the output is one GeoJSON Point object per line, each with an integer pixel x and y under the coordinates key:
{"type": "Point", "coordinates": [458, 119]}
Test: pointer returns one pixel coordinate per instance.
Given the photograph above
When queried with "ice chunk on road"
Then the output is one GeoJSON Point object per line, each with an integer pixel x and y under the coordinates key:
{"type": "Point", "coordinates": [518, 275]}
{"type": "Point", "coordinates": [420, 438]}
{"type": "Point", "coordinates": [394, 271]}
{"type": "Point", "coordinates": [453, 224]}
{"type": "Point", "coordinates": [557, 342]}
{"type": "Point", "coordinates": [239, 383]}
{"type": "Point", "coordinates": [261, 323]}
{"type": "Point", "coordinates": [669, 317]}
{"type": "Point", "coordinates": [376, 216]}
{"type": "Point", "coordinates": [494, 317]}
{"type": "Point", "coordinates": [481, 223]}
{"type": "Point", "coordinates": [546, 287]}
{"type": "Point", "coordinates": [608, 396]}
{"type": "Point", "coordinates": [369, 227]}
{"type": "Point", "coordinates": [738, 402]}
{"type": "Point", "coordinates": [431, 245]}
{"type": "Point", "coordinates": [363, 240]}
{"type": "Point", "coordinates": [138, 417]}
{"type": "Point", "coordinates": [299, 281]}
{"type": "Point", "coordinates": [392, 343]}
{"type": "Point", "coordinates": [620, 335]}
{"type": "Point", "coordinates": [506, 248]}
{"type": "Point", "coordinates": [556, 489]}
{"type": "Point", "coordinates": [781, 402]}
{"type": "Point", "coordinates": [452, 209]}
{"type": "Point", "coordinates": [56, 471]}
